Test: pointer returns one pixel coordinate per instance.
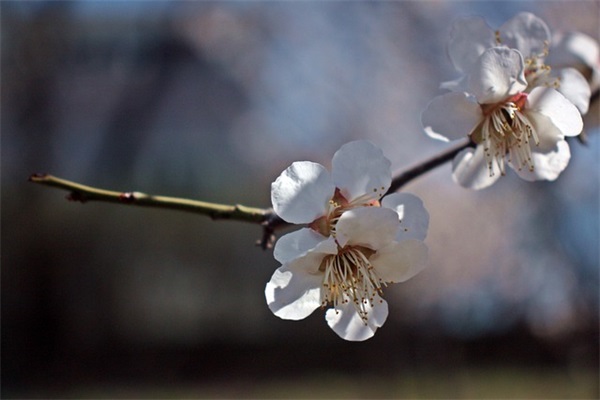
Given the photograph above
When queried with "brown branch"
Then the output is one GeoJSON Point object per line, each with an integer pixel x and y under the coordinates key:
{"type": "Point", "coordinates": [408, 174]}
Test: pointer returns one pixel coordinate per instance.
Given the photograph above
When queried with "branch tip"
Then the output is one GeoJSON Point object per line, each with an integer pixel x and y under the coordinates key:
{"type": "Point", "coordinates": [37, 177]}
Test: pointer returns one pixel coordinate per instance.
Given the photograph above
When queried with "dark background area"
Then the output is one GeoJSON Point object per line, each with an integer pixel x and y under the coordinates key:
{"type": "Point", "coordinates": [211, 101]}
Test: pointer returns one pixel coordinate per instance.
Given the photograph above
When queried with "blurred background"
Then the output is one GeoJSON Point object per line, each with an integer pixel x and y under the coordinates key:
{"type": "Point", "coordinates": [211, 101]}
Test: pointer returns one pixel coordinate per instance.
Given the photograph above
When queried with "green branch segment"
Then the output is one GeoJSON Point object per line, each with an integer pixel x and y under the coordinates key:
{"type": "Point", "coordinates": [83, 193]}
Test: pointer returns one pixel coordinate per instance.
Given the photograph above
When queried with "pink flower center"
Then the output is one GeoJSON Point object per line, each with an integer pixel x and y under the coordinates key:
{"type": "Point", "coordinates": [325, 225]}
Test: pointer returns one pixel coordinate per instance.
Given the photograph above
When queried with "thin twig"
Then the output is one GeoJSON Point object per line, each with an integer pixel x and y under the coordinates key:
{"type": "Point", "coordinates": [408, 174]}
{"type": "Point", "coordinates": [83, 194]}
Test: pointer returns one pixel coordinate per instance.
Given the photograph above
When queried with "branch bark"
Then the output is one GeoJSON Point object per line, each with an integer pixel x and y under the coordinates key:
{"type": "Point", "coordinates": [83, 194]}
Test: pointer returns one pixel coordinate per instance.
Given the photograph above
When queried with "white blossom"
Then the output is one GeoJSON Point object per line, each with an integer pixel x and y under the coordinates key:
{"type": "Point", "coordinates": [354, 244]}
{"type": "Point", "coordinates": [525, 32]}
{"type": "Point", "coordinates": [509, 125]}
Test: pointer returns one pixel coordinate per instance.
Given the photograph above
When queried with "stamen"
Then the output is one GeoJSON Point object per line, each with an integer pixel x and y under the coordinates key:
{"type": "Point", "coordinates": [507, 135]}
{"type": "Point", "coordinates": [349, 276]}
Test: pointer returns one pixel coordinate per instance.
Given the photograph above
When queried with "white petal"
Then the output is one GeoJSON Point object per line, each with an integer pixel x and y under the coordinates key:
{"type": "Point", "coordinates": [414, 218]}
{"type": "Point", "coordinates": [575, 88]}
{"type": "Point", "coordinates": [360, 168]}
{"type": "Point", "coordinates": [563, 114]}
{"type": "Point", "coordinates": [372, 227]}
{"type": "Point", "coordinates": [497, 74]}
{"type": "Point", "coordinates": [298, 243]}
{"type": "Point", "coordinates": [470, 169]}
{"type": "Point", "coordinates": [526, 33]}
{"type": "Point", "coordinates": [451, 116]}
{"type": "Point", "coordinates": [547, 166]}
{"type": "Point", "coordinates": [400, 261]}
{"type": "Point", "coordinates": [293, 293]}
{"type": "Point", "coordinates": [302, 192]}
{"type": "Point", "coordinates": [547, 132]}
{"type": "Point", "coordinates": [346, 322]}
{"type": "Point", "coordinates": [469, 38]}
{"type": "Point", "coordinates": [576, 49]}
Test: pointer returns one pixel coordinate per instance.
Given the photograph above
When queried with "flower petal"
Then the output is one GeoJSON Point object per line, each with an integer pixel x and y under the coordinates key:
{"type": "Point", "coordinates": [576, 48]}
{"type": "Point", "coordinates": [575, 88]}
{"type": "Point", "coordinates": [414, 218]}
{"type": "Point", "coordinates": [469, 38]}
{"type": "Point", "coordinates": [400, 261]}
{"type": "Point", "coordinates": [372, 227]}
{"type": "Point", "coordinates": [547, 132]}
{"type": "Point", "coordinates": [470, 169]}
{"type": "Point", "coordinates": [563, 114]}
{"type": "Point", "coordinates": [547, 166]}
{"type": "Point", "coordinates": [360, 168]}
{"type": "Point", "coordinates": [293, 292]}
{"type": "Point", "coordinates": [498, 73]}
{"type": "Point", "coordinates": [345, 321]}
{"type": "Point", "coordinates": [451, 116]}
{"type": "Point", "coordinates": [526, 33]}
{"type": "Point", "coordinates": [302, 192]}
{"type": "Point", "coordinates": [298, 243]}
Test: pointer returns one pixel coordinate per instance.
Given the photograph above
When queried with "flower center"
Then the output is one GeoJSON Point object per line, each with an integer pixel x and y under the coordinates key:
{"type": "Point", "coordinates": [506, 134]}
{"type": "Point", "coordinates": [325, 225]}
{"type": "Point", "coordinates": [349, 276]}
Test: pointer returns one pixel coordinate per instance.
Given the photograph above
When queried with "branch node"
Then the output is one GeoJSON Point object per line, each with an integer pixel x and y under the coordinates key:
{"type": "Point", "coordinates": [268, 238]}
{"type": "Point", "coordinates": [127, 197]}
{"type": "Point", "coordinates": [270, 223]}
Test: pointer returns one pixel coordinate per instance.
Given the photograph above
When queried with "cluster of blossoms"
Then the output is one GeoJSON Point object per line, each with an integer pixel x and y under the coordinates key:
{"type": "Point", "coordinates": [514, 108]}
{"type": "Point", "coordinates": [516, 112]}
{"type": "Point", "coordinates": [354, 244]}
